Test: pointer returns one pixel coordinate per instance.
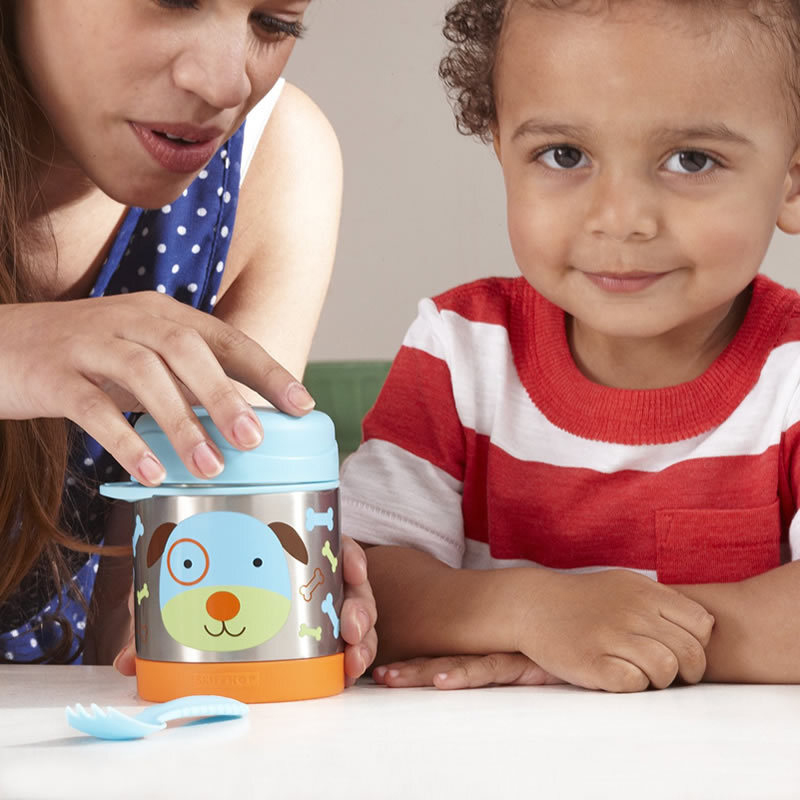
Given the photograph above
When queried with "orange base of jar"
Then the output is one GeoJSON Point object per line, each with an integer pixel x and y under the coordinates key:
{"type": "Point", "coordinates": [250, 682]}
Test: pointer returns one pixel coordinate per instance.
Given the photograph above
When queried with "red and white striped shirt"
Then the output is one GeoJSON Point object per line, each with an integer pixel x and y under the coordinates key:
{"type": "Point", "coordinates": [488, 447]}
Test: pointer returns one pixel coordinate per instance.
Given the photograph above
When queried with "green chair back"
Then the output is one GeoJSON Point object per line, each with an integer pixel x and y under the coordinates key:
{"type": "Point", "coordinates": [345, 391]}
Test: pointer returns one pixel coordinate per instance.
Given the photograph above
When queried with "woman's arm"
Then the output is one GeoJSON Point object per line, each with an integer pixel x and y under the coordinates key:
{"type": "Point", "coordinates": [284, 242]}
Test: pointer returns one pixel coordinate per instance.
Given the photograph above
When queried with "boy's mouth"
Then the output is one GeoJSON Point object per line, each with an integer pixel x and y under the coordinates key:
{"type": "Point", "coordinates": [623, 282]}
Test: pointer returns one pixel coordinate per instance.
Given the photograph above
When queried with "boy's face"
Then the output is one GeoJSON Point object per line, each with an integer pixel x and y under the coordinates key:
{"type": "Point", "coordinates": [648, 155]}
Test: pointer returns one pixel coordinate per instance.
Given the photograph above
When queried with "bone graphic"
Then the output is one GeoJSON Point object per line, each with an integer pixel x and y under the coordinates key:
{"type": "Point", "coordinates": [307, 590]}
{"type": "Point", "coordinates": [306, 631]}
{"type": "Point", "coordinates": [327, 608]}
{"type": "Point", "coordinates": [317, 520]}
{"type": "Point", "coordinates": [142, 593]}
{"type": "Point", "coordinates": [138, 532]}
{"type": "Point", "coordinates": [328, 553]}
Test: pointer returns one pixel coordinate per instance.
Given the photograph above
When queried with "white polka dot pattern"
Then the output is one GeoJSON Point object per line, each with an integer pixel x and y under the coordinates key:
{"type": "Point", "coordinates": [180, 250]}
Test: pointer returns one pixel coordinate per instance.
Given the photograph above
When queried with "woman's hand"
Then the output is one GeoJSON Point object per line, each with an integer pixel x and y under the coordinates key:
{"type": "Point", "coordinates": [90, 360]}
{"type": "Point", "coordinates": [358, 618]}
{"type": "Point", "coordinates": [125, 662]}
{"type": "Point", "coordinates": [464, 672]}
{"type": "Point", "coordinates": [359, 613]}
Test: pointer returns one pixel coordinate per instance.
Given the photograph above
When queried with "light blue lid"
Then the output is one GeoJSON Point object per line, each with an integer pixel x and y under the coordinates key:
{"type": "Point", "coordinates": [295, 450]}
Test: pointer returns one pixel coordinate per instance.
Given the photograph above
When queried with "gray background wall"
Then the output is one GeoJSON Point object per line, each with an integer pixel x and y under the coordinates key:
{"type": "Point", "coordinates": [423, 206]}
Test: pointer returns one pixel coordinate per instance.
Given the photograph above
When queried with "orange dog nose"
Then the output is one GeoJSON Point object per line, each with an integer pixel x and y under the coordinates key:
{"type": "Point", "coordinates": [223, 606]}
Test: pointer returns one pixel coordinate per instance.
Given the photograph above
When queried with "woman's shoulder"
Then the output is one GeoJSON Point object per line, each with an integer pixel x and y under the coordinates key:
{"type": "Point", "coordinates": [294, 175]}
{"type": "Point", "coordinates": [289, 122]}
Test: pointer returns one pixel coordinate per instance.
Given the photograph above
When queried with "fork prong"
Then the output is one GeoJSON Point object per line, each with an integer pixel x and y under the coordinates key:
{"type": "Point", "coordinates": [97, 711]}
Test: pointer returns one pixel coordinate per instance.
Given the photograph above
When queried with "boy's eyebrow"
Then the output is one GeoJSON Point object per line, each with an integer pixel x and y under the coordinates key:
{"type": "Point", "coordinates": [716, 130]}
{"type": "Point", "coordinates": [536, 127]}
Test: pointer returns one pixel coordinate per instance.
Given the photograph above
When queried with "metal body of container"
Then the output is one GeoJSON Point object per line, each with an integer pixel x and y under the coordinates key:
{"type": "Point", "coordinates": [238, 581]}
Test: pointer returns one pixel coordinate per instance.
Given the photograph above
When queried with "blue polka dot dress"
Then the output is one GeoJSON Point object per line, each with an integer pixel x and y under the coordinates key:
{"type": "Point", "coordinates": [179, 250]}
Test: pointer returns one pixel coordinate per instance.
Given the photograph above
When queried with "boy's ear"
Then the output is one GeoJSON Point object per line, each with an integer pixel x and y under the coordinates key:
{"type": "Point", "coordinates": [789, 214]}
{"type": "Point", "coordinates": [496, 141]}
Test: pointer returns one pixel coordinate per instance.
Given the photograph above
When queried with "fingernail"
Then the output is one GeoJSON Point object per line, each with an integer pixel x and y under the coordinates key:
{"type": "Point", "coordinates": [206, 460]}
{"type": "Point", "coordinates": [393, 673]}
{"type": "Point", "coordinates": [298, 396]}
{"type": "Point", "coordinates": [363, 624]}
{"type": "Point", "coordinates": [379, 673]}
{"type": "Point", "coordinates": [365, 657]}
{"type": "Point", "coordinates": [247, 431]}
{"type": "Point", "coordinates": [151, 469]}
{"type": "Point", "coordinates": [442, 676]}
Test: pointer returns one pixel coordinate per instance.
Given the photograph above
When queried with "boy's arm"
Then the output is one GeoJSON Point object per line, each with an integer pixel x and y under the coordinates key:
{"type": "Point", "coordinates": [614, 630]}
{"type": "Point", "coordinates": [756, 636]}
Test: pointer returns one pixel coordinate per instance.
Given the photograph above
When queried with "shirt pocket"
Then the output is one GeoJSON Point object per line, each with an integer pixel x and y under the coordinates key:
{"type": "Point", "coordinates": [717, 545]}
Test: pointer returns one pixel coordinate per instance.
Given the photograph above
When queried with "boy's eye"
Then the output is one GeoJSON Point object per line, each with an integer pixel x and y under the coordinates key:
{"type": "Point", "coordinates": [690, 162]}
{"type": "Point", "coordinates": [562, 158]}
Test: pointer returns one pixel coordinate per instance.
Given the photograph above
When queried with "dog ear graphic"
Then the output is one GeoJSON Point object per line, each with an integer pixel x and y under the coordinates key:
{"type": "Point", "coordinates": [290, 540]}
{"type": "Point", "coordinates": [158, 541]}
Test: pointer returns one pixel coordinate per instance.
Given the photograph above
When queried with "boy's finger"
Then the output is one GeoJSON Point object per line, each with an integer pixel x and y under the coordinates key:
{"type": "Point", "coordinates": [688, 650]}
{"type": "Point", "coordinates": [616, 674]}
{"type": "Point", "coordinates": [689, 615]}
{"type": "Point", "coordinates": [653, 657]}
{"type": "Point", "coordinates": [473, 672]}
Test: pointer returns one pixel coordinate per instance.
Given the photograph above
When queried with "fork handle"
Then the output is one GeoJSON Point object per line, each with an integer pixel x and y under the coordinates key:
{"type": "Point", "coordinates": [200, 705]}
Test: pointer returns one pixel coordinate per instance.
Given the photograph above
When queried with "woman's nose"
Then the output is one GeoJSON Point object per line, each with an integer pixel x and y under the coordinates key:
{"type": "Point", "coordinates": [215, 69]}
{"type": "Point", "coordinates": [623, 208]}
{"type": "Point", "coordinates": [222, 606]}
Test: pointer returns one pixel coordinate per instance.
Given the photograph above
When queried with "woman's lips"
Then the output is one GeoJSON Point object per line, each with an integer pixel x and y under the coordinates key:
{"type": "Point", "coordinates": [623, 282]}
{"type": "Point", "coordinates": [178, 155]}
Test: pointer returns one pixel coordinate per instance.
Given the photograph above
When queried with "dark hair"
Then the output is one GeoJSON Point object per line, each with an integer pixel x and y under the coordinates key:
{"type": "Point", "coordinates": [33, 453]}
{"type": "Point", "coordinates": [473, 28]}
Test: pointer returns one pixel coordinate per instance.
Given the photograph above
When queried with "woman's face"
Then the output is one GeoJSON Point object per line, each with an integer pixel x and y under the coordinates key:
{"type": "Point", "coordinates": [141, 93]}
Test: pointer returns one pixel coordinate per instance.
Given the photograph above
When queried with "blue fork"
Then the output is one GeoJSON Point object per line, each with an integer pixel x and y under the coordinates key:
{"type": "Point", "coordinates": [108, 723]}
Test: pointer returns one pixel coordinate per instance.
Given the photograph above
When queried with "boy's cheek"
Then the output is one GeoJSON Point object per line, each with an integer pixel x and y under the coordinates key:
{"type": "Point", "coordinates": [538, 236]}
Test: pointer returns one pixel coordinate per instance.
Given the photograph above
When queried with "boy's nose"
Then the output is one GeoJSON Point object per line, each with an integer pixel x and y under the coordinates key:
{"type": "Point", "coordinates": [622, 209]}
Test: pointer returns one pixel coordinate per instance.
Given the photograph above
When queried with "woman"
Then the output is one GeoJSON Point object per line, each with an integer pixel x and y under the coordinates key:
{"type": "Point", "coordinates": [103, 113]}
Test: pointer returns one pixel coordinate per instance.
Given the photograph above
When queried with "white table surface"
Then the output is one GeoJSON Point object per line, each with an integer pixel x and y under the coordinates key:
{"type": "Point", "coordinates": [710, 741]}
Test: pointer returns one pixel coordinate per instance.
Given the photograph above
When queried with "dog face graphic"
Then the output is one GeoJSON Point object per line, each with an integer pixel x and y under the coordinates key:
{"type": "Point", "coordinates": [224, 578]}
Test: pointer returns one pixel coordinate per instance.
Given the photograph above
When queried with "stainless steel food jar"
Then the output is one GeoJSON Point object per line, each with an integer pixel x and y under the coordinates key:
{"type": "Point", "coordinates": [238, 580]}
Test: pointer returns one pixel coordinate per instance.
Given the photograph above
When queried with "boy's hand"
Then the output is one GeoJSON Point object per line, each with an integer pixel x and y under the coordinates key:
{"type": "Point", "coordinates": [615, 630]}
{"type": "Point", "coordinates": [358, 618]}
{"type": "Point", "coordinates": [464, 672]}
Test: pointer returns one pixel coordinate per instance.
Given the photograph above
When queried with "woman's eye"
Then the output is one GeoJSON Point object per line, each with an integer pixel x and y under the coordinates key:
{"type": "Point", "coordinates": [563, 158]}
{"type": "Point", "coordinates": [177, 3]}
{"type": "Point", "coordinates": [275, 28]}
{"type": "Point", "coordinates": [690, 162]}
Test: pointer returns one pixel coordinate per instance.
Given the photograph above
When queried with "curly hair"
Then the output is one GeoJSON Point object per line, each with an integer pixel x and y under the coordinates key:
{"type": "Point", "coordinates": [474, 27]}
